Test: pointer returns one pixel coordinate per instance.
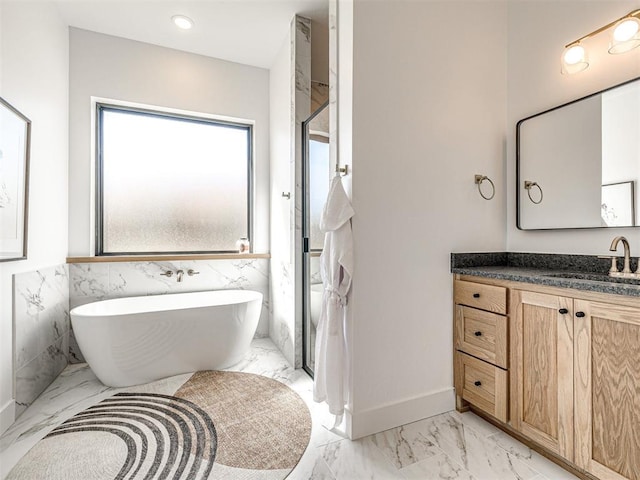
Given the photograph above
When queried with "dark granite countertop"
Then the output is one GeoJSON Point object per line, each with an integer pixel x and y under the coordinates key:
{"type": "Point", "coordinates": [580, 272]}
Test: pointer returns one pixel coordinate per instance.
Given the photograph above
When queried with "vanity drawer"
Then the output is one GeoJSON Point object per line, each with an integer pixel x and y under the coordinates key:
{"type": "Point", "coordinates": [478, 295]}
{"type": "Point", "coordinates": [482, 334]}
{"type": "Point", "coordinates": [482, 384]}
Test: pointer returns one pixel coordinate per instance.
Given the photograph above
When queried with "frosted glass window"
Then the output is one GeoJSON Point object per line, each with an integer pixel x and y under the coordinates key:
{"type": "Point", "coordinates": [171, 184]}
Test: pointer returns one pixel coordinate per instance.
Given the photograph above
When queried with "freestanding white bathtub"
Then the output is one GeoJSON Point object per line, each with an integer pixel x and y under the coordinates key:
{"type": "Point", "coordinates": [135, 340]}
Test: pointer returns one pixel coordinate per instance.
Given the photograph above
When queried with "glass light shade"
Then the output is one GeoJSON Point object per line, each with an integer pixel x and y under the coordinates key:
{"type": "Point", "coordinates": [574, 59]}
{"type": "Point", "coordinates": [625, 36]}
{"type": "Point", "coordinates": [182, 22]}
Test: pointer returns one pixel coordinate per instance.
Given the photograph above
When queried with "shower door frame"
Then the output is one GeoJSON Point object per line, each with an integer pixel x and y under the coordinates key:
{"type": "Point", "coordinates": [306, 251]}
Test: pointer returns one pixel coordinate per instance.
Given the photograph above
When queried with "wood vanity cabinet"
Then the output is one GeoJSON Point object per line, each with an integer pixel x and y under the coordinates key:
{"type": "Point", "coordinates": [573, 370]}
{"type": "Point", "coordinates": [542, 369]}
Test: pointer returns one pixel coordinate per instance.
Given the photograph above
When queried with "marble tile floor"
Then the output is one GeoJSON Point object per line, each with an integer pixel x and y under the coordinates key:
{"type": "Point", "coordinates": [448, 446]}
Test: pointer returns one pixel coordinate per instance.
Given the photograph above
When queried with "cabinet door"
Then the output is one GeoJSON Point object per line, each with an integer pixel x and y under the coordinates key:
{"type": "Point", "coordinates": [607, 390]}
{"type": "Point", "coordinates": [542, 369]}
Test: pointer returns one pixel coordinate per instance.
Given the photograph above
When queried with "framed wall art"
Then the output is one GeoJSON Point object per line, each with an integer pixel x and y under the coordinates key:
{"type": "Point", "coordinates": [618, 204]}
{"type": "Point", "coordinates": [15, 137]}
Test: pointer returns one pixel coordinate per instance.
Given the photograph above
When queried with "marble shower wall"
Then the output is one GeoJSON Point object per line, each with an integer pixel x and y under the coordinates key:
{"type": "Point", "coordinates": [286, 267]}
{"type": "Point", "coordinates": [319, 95]}
{"type": "Point", "coordinates": [90, 282]}
{"type": "Point", "coordinates": [302, 110]}
{"type": "Point", "coordinates": [41, 329]}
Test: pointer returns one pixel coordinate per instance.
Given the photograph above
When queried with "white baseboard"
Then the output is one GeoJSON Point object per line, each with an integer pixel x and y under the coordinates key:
{"type": "Point", "coordinates": [378, 419]}
{"type": "Point", "coordinates": [7, 416]}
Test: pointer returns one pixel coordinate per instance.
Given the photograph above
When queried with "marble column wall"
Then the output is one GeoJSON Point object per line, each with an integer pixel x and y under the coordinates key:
{"type": "Point", "coordinates": [41, 329]}
{"type": "Point", "coordinates": [302, 110]}
{"type": "Point", "coordinates": [90, 282]}
{"type": "Point", "coordinates": [286, 267]}
{"type": "Point", "coordinates": [286, 272]}
{"type": "Point", "coordinates": [319, 96]}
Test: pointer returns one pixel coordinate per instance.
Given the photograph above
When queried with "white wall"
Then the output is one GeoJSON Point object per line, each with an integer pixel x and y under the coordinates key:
{"type": "Point", "coordinates": [537, 33]}
{"type": "Point", "coordinates": [126, 70]}
{"type": "Point", "coordinates": [428, 113]}
{"type": "Point", "coordinates": [34, 79]}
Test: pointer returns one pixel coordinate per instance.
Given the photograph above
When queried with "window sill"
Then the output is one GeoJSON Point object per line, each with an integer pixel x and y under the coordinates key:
{"type": "Point", "coordinates": [165, 258]}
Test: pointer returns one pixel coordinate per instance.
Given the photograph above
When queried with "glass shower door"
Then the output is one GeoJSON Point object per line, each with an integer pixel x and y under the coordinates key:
{"type": "Point", "coordinates": [315, 188]}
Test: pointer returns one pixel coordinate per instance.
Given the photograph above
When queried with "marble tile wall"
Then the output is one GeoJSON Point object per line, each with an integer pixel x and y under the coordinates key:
{"type": "Point", "coordinates": [41, 329]}
{"type": "Point", "coordinates": [90, 282]}
{"type": "Point", "coordinates": [286, 268]}
{"type": "Point", "coordinates": [302, 109]}
{"type": "Point", "coordinates": [283, 307]}
{"type": "Point", "coordinates": [319, 96]}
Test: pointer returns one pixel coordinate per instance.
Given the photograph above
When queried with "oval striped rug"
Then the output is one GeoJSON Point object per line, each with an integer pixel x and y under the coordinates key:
{"type": "Point", "coordinates": [216, 425]}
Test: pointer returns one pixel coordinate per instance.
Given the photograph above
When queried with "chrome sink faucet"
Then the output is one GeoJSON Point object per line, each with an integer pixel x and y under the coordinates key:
{"type": "Point", "coordinates": [627, 256]}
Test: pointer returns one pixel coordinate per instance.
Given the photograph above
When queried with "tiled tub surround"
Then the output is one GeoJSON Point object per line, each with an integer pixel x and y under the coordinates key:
{"type": "Point", "coordinates": [539, 269]}
{"type": "Point", "coordinates": [42, 325]}
{"type": "Point", "coordinates": [91, 282]}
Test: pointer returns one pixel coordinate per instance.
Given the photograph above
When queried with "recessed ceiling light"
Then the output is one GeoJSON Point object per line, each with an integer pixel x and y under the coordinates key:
{"type": "Point", "coordinates": [182, 22]}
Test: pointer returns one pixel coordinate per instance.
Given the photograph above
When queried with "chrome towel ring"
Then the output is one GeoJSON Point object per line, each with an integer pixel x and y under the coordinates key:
{"type": "Point", "coordinates": [481, 178]}
{"type": "Point", "coordinates": [528, 185]}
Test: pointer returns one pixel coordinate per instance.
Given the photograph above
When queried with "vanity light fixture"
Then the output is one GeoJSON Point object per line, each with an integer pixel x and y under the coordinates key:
{"type": "Point", "coordinates": [185, 23]}
{"type": "Point", "coordinates": [625, 36]}
{"type": "Point", "coordinates": [574, 59]}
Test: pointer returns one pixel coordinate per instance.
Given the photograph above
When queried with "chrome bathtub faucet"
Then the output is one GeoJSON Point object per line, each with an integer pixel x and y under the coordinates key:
{"type": "Point", "coordinates": [179, 273]}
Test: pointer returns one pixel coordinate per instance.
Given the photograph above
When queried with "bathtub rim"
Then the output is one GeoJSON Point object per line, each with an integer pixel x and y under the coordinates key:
{"type": "Point", "coordinates": [90, 310]}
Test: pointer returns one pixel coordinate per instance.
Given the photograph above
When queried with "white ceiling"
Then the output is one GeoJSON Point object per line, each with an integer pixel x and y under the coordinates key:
{"type": "Point", "coordinates": [244, 31]}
